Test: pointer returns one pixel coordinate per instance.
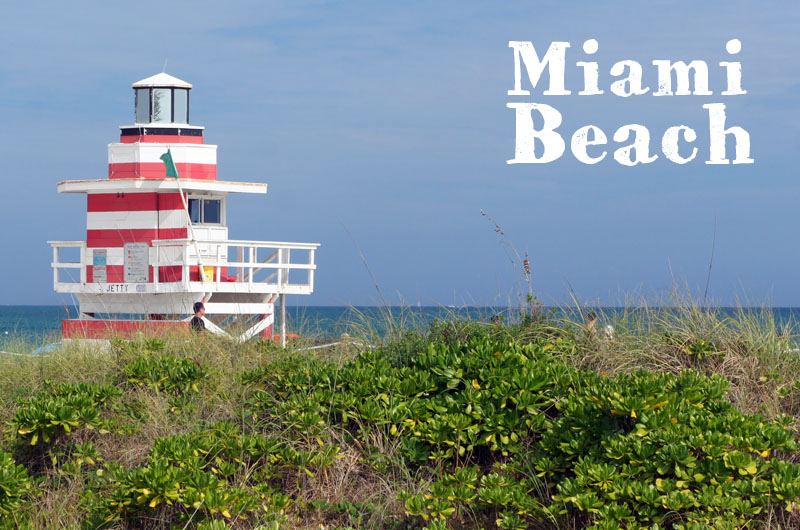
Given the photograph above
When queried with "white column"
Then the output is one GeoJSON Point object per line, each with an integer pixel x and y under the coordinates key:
{"type": "Point", "coordinates": [311, 271]}
{"type": "Point", "coordinates": [55, 265]}
{"type": "Point", "coordinates": [84, 262]}
{"type": "Point", "coordinates": [283, 320]}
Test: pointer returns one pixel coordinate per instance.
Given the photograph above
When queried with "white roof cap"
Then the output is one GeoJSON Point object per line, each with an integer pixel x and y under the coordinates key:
{"type": "Point", "coordinates": [161, 80]}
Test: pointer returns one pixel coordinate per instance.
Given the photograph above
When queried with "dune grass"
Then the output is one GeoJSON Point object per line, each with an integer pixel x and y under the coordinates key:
{"type": "Point", "coordinates": [257, 390]}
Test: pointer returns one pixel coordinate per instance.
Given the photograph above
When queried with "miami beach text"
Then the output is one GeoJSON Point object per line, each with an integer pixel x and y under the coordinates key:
{"type": "Point", "coordinates": [538, 140]}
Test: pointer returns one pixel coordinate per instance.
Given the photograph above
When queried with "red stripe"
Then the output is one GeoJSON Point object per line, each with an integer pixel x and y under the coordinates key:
{"type": "Point", "coordinates": [133, 202]}
{"type": "Point", "coordinates": [118, 238]}
{"type": "Point", "coordinates": [116, 202]}
{"type": "Point", "coordinates": [99, 329]}
{"type": "Point", "coordinates": [171, 274]}
{"type": "Point", "coordinates": [157, 170]}
{"type": "Point", "coordinates": [170, 201]}
{"type": "Point", "coordinates": [161, 139]}
{"type": "Point", "coordinates": [173, 233]}
{"type": "Point", "coordinates": [175, 273]}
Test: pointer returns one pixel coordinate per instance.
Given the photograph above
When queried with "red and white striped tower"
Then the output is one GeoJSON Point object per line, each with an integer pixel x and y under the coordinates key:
{"type": "Point", "coordinates": [149, 254]}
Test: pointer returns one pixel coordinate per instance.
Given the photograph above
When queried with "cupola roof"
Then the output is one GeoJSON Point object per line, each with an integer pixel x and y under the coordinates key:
{"type": "Point", "coordinates": [162, 80]}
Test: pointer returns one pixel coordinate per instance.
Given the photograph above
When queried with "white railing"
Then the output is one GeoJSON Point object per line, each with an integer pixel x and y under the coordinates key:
{"type": "Point", "coordinates": [259, 267]}
{"type": "Point", "coordinates": [59, 265]}
{"type": "Point", "coordinates": [252, 258]}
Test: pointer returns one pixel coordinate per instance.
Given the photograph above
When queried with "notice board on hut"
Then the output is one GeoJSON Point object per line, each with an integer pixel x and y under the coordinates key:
{"type": "Point", "coordinates": [99, 256]}
{"type": "Point", "coordinates": [136, 262]}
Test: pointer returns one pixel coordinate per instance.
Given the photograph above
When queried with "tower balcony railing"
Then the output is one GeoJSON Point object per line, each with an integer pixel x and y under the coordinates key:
{"type": "Point", "coordinates": [183, 265]}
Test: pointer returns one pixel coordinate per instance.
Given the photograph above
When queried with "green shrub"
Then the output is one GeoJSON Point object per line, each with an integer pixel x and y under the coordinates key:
{"type": "Point", "coordinates": [450, 401]}
{"type": "Point", "coordinates": [648, 448]}
{"type": "Point", "coordinates": [59, 409]}
{"type": "Point", "coordinates": [482, 429]}
{"type": "Point", "coordinates": [165, 373]}
{"type": "Point", "coordinates": [213, 525]}
{"type": "Point", "coordinates": [532, 440]}
{"type": "Point", "coordinates": [14, 484]}
{"type": "Point", "coordinates": [75, 459]}
{"type": "Point", "coordinates": [214, 472]}
{"type": "Point", "coordinates": [127, 350]}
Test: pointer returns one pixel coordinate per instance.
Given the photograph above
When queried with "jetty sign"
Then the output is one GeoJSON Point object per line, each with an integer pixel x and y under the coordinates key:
{"type": "Point", "coordinates": [543, 143]}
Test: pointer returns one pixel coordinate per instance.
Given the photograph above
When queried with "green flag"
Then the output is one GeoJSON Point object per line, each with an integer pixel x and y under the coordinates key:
{"type": "Point", "coordinates": [172, 171]}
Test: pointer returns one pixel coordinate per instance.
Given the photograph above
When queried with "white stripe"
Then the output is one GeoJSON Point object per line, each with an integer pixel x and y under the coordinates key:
{"type": "Point", "coordinates": [151, 153]}
{"type": "Point", "coordinates": [147, 219]}
{"type": "Point", "coordinates": [124, 220]}
{"type": "Point", "coordinates": [114, 255]}
{"type": "Point", "coordinates": [173, 219]}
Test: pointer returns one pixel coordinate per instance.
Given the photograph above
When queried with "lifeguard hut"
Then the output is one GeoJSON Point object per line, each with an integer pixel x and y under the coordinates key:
{"type": "Point", "coordinates": [156, 244]}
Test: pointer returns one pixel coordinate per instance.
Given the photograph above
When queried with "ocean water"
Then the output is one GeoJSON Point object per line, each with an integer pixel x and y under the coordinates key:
{"type": "Point", "coordinates": [40, 324]}
{"type": "Point", "coordinates": [37, 325]}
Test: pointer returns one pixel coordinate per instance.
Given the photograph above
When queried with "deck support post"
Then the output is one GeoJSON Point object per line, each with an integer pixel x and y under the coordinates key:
{"type": "Point", "coordinates": [283, 320]}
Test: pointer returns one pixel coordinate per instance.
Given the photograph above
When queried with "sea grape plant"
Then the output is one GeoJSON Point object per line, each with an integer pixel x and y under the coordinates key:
{"type": "Point", "coordinates": [59, 409]}
{"type": "Point", "coordinates": [14, 485]}
{"type": "Point", "coordinates": [544, 440]}
{"type": "Point", "coordinates": [214, 472]}
{"type": "Point", "coordinates": [500, 434]}
{"type": "Point", "coordinates": [165, 373]}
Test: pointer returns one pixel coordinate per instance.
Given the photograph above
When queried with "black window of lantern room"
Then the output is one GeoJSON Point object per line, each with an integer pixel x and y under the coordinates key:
{"type": "Point", "coordinates": [162, 105]}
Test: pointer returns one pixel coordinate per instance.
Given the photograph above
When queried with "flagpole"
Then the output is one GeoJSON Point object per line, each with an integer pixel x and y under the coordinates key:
{"type": "Point", "coordinates": [168, 156]}
{"type": "Point", "coordinates": [191, 229]}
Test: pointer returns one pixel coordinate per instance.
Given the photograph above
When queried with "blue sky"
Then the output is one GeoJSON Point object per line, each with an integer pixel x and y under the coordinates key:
{"type": "Point", "coordinates": [387, 122]}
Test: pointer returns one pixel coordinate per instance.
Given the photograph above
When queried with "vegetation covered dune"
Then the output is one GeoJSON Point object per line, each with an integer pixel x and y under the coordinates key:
{"type": "Point", "coordinates": [685, 419]}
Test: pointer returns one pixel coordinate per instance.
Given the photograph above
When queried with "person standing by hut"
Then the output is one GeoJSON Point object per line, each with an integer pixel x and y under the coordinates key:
{"type": "Point", "coordinates": [197, 323]}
